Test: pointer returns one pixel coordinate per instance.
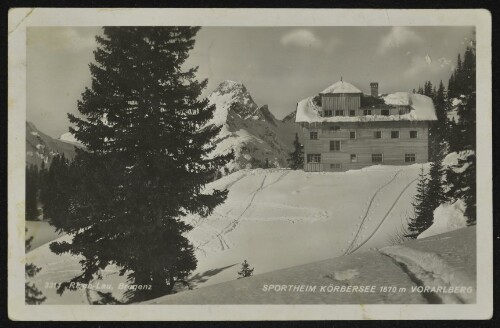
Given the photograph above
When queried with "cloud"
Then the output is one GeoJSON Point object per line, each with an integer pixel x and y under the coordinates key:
{"type": "Point", "coordinates": [419, 64]}
{"type": "Point", "coordinates": [446, 62]}
{"type": "Point", "coordinates": [68, 39]}
{"type": "Point", "coordinates": [301, 38]}
{"type": "Point", "coordinates": [332, 44]}
{"type": "Point", "coordinates": [397, 37]}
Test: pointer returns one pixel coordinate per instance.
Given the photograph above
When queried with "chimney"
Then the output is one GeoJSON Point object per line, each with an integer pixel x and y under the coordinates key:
{"type": "Point", "coordinates": [374, 88]}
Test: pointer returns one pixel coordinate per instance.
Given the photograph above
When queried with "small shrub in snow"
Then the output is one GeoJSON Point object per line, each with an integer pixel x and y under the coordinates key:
{"type": "Point", "coordinates": [245, 270]}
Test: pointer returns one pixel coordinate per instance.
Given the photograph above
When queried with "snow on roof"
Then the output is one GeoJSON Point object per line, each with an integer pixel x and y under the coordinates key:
{"type": "Point", "coordinates": [341, 87]}
{"type": "Point", "coordinates": [422, 109]}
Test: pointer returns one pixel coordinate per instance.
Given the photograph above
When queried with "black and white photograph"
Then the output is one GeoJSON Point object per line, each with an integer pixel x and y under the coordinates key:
{"type": "Point", "coordinates": [196, 164]}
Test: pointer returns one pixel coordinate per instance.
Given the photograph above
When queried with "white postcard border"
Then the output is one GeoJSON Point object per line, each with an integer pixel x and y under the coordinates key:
{"type": "Point", "coordinates": [21, 18]}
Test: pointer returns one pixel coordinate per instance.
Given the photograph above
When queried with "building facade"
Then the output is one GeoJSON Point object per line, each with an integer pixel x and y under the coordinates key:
{"type": "Point", "coordinates": [344, 129]}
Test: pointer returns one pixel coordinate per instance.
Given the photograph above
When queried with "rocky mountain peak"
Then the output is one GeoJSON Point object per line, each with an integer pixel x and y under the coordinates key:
{"type": "Point", "coordinates": [290, 117]}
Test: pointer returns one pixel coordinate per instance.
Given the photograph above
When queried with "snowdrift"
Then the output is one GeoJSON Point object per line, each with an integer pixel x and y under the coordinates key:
{"type": "Point", "coordinates": [447, 217]}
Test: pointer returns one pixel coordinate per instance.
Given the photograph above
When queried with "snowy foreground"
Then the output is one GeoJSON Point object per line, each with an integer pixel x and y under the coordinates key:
{"type": "Point", "coordinates": [274, 219]}
{"type": "Point", "coordinates": [436, 270]}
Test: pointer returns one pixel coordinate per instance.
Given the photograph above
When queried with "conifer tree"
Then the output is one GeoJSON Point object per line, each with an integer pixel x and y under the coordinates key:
{"type": "Point", "coordinates": [145, 160]}
{"type": "Point", "coordinates": [437, 131]}
{"type": "Point", "coordinates": [56, 191]}
{"type": "Point", "coordinates": [245, 270]}
{"type": "Point", "coordinates": [31, 192]}
{"type": "Point", "coordinates": [32, 295]}
{"type": "Point", "coordinates": [435, 186]}
{"type": "Point", "coordinates": [461, 179]}
{"type": "Point", "coordinates": [296, 158]}
{"type": "Point", "coordinates": [462, 185]}
{"type": "Point", "coordinates": [428, 89]}
{"type": "Point", "coordinates": [423, 216]}
{"type": "Point", "coordinates": [451, 86]}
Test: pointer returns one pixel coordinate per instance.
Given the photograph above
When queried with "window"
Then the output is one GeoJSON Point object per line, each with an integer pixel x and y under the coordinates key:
{"type": "Point", "coordinates": [313, 158]}
{"type": "Point", "coordinates": [378, 135]}
{"type": "Point", "coordinates": [413, 134]}
{"type": "Point", "coordinates": [394, 134]}
{"type": "Point", "coordinates": [328, 113]}
{"type": "Point", "coordinates": [352, 113]}
{"type": "Point", "coordinates": [352, 134]}
{"type": "Point", "coordinates": [354, 158]}
{"type": "Point", "coordinates": [367, 112]}
{"type": "Point", "coordinates": [313, 135]}
{"type": "Point", "coordinates": [339, 112]}
{"type": "Point", "coordinates": [335, 145]}
{"type": "Point", "coordinates": [335, 166]}
{"type": "Point", "coordinates": [410, 158]}
{"type": "Point", "coordinates": [335, 128]}
{"type": "Point", "coordinates": [377, 158]}
{"type": "Point", "coordinates": [403, 111]}
{"type": "Point", "coordinates": [385, 112]}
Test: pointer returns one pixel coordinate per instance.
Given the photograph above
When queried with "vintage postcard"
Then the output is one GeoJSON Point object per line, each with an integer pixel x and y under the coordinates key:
{"type": "Point", "coordinates": [249, 164]}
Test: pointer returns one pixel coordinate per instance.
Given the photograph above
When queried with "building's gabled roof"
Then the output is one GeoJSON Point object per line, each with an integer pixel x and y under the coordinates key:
{"type": "Point", "coordinates": [422, 109]}
{"type": "Point", "coordinates": [341, 87]}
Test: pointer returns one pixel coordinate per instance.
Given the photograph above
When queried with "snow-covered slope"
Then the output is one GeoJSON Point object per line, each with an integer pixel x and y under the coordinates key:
{"type": "Point", "coordinates": [251, 131]}
{"type": "Point", "coordinates": [436, 270]}
{"type": "Point", "coordinates": [42, 148]}
{"type": "Point", "coordinates": [276, 219]}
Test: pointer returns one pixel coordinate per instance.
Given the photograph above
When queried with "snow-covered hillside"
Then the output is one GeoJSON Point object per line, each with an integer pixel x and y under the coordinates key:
{"type": "Point", "coordinates": [275, 219]}
{"type": "Point", "coordinates": [440, 269]}
{"type": "Point", "coordinates": [251, 131]}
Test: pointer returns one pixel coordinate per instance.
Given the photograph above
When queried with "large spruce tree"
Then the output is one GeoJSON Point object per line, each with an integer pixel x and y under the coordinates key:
{"type": "Point", "coordinates": [145, 162]}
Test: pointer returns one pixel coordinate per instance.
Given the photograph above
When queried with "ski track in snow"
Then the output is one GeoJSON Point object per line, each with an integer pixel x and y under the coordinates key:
{"type": "Point", "coordinates": [348, 250]}
{"type": "Point", "coordinates": [235, 222]}
{"type": "Point", "coordinates": [384, 218]}
{"type": "Point", "coordinates": [231, 226]}
{"type": "Point", "coordinates": [229, 185]}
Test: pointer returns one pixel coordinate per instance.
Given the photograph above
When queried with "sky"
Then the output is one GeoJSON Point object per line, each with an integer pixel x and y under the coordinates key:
{"type": "Point", "coordinates": [278, 65]}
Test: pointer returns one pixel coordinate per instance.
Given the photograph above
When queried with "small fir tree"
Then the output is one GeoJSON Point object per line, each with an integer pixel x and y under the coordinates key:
{"type": "Point", "coordinates": [296, 158]}
{"type": "Point", "coordinates": [245, 270]}
{"type": "Point", "coordinates": [422, 218]}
